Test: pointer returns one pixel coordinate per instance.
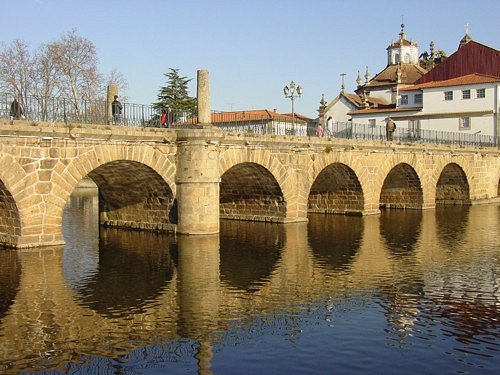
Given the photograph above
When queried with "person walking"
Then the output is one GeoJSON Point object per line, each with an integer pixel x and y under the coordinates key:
{"type": "Point", "coordinates": [116, 110]}
{"type": "Point", "coordinates": [390, 128]}
{"type": "Point", "coordinates": [16, 110]}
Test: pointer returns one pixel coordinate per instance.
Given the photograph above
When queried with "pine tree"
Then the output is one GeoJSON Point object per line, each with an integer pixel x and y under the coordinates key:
{"type": "Point", "coordinates": [175, 95]}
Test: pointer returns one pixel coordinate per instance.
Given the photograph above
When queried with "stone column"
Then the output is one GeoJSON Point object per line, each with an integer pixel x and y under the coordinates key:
{"type": "Point", "coordinates": [112, 91]}
{"type": "Point", "coordinates": [203, 95]}
{"type": "Point", "coordinates": [197, 181]}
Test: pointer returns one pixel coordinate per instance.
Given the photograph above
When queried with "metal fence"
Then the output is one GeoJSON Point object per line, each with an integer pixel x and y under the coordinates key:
{"type": "Point", "coordinates": [98, 112]}
{"type": "Point", "coordinates": [350, 130]}
{"type": "Point", "coordinates": [82, 111]}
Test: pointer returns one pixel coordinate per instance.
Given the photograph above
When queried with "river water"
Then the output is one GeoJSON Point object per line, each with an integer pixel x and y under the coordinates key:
{"type": "Point", "coordinates": [403, 292]}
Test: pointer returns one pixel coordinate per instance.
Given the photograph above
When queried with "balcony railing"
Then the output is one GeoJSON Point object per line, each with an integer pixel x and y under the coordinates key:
{"type": "Point", "coordinates": [98, 112]}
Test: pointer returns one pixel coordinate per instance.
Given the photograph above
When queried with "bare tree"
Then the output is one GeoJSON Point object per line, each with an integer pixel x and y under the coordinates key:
{"type": "Point", "coordinates": [47, 78]}
{"type": "Point", "coordinates": [60, 78]}
{"type": "Point", "coordinates": [16, 70]}
{"type": "Point", "coordinates": [77, 60]}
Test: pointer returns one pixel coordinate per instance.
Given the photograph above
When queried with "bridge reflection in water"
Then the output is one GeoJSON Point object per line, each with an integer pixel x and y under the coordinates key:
{"type": "Point", "coordinates": [117, 301]}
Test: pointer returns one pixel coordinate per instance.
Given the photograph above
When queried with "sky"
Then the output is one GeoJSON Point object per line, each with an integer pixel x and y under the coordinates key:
{"type": "Point", "coordinates": [251, 48]}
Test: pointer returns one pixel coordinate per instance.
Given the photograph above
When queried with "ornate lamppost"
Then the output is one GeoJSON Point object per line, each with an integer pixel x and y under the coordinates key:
{"type": "Point", "coordinates": [292, 92]}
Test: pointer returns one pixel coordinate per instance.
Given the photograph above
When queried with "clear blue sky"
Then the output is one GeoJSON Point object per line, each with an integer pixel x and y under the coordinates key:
{"type": "Point", "coordinates": [252, 48]}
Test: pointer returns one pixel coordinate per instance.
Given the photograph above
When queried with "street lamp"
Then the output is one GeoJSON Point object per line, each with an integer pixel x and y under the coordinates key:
{"type": "Point", "coordinates": [292, 92]}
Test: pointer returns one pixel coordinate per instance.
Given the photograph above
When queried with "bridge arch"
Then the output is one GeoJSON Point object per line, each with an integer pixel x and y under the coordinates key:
{"type": "Point", "coordinates": [149, 205]}
{"type": "Point", "coordinates": [17, 197]}
{"type": "Point", "coordinates": [402, 188]}
{"type": "Point", "coordinates": [248, 191]}
{"type": "Point", "coordinates": [356, 176]}
{"type": "Point", "coordinates": [337, 190]}
{"type": "Point", "coordinates": [452, 186]}
{"type": "Point", "coordinates": [270, 165]}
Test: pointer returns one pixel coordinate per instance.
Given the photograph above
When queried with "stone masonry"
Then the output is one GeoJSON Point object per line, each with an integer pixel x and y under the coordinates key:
{"type": "Point", "coordinates": [186, 180]}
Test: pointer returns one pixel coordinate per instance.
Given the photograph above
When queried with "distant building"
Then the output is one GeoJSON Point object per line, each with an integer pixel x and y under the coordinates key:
{"type": "Point", "coordinates": [263, 121]}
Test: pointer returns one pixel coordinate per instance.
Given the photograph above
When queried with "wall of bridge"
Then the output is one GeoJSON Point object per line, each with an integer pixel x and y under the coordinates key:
{"type": "Point", "coordinates": [187, 180]}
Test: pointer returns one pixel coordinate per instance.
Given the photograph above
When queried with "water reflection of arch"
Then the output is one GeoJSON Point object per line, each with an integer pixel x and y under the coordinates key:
{"type": "Point", "coordinates": [250, 191]}
{"type": "Point", "coordinates": [402, 188]}
{"type": "Point", "coordinates": [452, 186]}
{"type": "Point", "coordinates": [10, 277]}
{"type": "Point", "coordinates": [259, 248]}
{"type": "Point", "coordinates": [134, 268]}
{"type": "Point", "coordinates": [335, 240]}
{"type": "Point", "coordinates": [400, 230]}
{"type": "Point", "coordinates": [336, 190]}
{"type": "Point", "coordinates": [451, 225]}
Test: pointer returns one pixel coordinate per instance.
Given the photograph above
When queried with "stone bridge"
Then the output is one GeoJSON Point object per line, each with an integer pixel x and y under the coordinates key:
{"type": "Point", "coordinates": [186, 180]}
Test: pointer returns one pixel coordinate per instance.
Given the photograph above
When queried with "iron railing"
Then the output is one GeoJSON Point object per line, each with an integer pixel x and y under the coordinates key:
{"type": "Point", "coordinates": [56, 109]}
{"type": "Point", "coordinates": [98, 112]}
{"type": "Point", "coordinates": [350, 130]}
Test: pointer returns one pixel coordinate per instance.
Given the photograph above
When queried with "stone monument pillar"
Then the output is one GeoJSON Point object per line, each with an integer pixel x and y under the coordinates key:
{"type": "Point", "coordinates": [197, 177]}
{"type": "Point", "coordinates": [112, 91]}
{"type": "Point", "coordinates": [321, 111]}
{"type": "Point", "coordinates": [203, 95]}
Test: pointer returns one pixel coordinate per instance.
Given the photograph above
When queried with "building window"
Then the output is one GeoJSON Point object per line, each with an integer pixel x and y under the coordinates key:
{"type": "Point", "coordinates": [372, 123]}
{"type": "Point", "coordinates": [407, 58]}
{"type": "Point", "coordinates": [404, 99]}
{"type": "Point", "coordinates": [464, 123]}
{"type": "Point", "coordinates": [480, 93]}
{"type": "Point", "coordinates": [448, 95]}
{"type": "Point", "coordinates": [465, 94]}
{"type": "Point", "coordinates": [418, 98]}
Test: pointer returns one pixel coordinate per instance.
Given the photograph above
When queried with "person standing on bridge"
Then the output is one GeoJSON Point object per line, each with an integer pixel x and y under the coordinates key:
{"type": "Point", "coordinates": [116, 110]}
{"type": "Point", "coordinates": [16, 111]}
{"type": "Point", "coordinates": [390, 128]}
{"type": "Point", "coordinates": [166, 118]}
{"type": "Point", "coordinates": [170, 117]}
{"type": "Point", "coordinates": [320, 132]}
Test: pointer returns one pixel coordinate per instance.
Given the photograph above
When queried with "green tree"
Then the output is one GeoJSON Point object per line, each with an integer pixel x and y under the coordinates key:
{"type": "Point", "coordinates": [175, 95]}
{"type": "Point", "coordinates": [429, 60]}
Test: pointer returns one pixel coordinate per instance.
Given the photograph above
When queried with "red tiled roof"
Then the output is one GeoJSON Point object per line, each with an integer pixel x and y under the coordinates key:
{"type": "Point", "coordinates": [357, 101]}
{"type": "Point", "coordinates": [299, 116]}
{"type": "Point", "coordinates": [389, 76]}
{"type": "Point", "coordinates": [404, 42]}
{"type": "Point", "coordinates": [250, 115]}
{"type": "Point", "coordinates": [469, 79]}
